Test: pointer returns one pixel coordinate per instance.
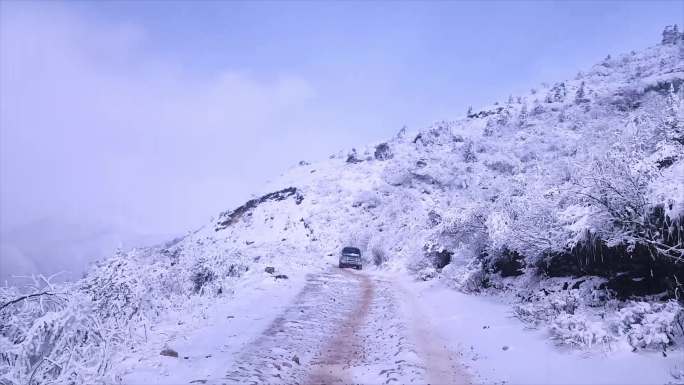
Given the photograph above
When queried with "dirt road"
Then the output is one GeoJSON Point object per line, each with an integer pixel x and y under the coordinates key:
{"type": "Point", "coordinates": [348, 327]}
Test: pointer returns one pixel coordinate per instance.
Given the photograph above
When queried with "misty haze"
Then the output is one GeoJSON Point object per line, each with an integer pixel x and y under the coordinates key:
{"type": "Point", "coordinates": [341, 192]}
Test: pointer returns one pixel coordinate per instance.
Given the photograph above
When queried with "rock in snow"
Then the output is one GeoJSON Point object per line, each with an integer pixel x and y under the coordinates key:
{"type": "Point", "coordinates": [169, 353]}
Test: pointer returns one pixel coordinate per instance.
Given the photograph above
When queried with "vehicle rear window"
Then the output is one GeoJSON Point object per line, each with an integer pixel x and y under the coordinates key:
{"type": "Point", "coordinates": [351, 250]}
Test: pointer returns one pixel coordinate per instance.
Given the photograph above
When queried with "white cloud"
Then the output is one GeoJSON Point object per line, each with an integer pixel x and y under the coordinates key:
{"type": "Point", "coordinates": [95, 127]}
{"type": "Point", "coordinates": [91, 120]}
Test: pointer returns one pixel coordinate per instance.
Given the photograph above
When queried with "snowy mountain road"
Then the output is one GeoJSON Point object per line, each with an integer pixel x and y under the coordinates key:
{"type": "Point", "coordinates": [347, 327]}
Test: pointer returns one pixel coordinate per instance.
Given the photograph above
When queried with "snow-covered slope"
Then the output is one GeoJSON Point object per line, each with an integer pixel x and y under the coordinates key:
{"type": "Point", "coordinates": [569, 180]}
{"type": "Point", "coordinates": [525, 176]}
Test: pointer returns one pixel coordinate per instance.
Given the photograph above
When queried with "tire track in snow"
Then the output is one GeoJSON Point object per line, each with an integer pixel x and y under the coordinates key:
{"type": "Point", "coordinates": [285, 351]}
{"type": "Point", "coordinates": [344, 327]}
{"type": "Point", "coordinates": [333, 363]}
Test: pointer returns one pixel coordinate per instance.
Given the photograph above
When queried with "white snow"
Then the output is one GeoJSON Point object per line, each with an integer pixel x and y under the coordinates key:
{"type": "Point", "coordinates": [515, 177]}
{"type": "Point", "coordinates": [497, 347]}
{"type": "Point", "coordinates": [211, 342]}
{"type": "Point", "coordinates": [478, 331]}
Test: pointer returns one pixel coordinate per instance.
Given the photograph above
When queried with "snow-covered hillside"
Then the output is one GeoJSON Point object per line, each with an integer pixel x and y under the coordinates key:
{"type": "Point", "coordinates": [568, 201]}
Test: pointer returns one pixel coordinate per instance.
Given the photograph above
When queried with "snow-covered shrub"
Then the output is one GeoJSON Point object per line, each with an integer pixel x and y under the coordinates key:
{"type": "Point", "coordinates": [577, 330]}
{"type": "Point", "coordinates": [427, 273]}
{"type": "Point", "coordinates": [543, 306]}
{"type": "Point", "coordinates": [504, 262]}
{"type": "Point", "coordinates": [383, 152]}
{"type": "Point", "coordinates": [379, 255]}
{"type": "Point", "coordinates": [53, 335]}
{"type": "Point", "coordinates": [397, 173]}
{"type": "Point", "coordinates": [468, 277]}
{"type": "Point", "coordinates": [210, 274]}
{"type": "Point", "coordinates": [502, 167]}
{"type": "Point", "coordinates": [469, 152]}
{"type": "Point", "coordinates": [353, 157]}
{"type": "Point", "coordinates": [618, 191]}
{"type": "Point", "coordinates": [201, 276]}
{"type": "Point", "coordinates": [366, 199]}
{"type": "Point", "coordinates": [131, 284]}
{"type": "Point", "coordinates": [378, 250]}
{"type": "Point", "coordinates": [650, 325]}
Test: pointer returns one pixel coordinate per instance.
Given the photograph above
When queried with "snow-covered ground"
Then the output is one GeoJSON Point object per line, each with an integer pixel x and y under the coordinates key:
{"type": "Point", "coordinates": [375, 326]}
{"type": "Point", "coordinates": [208, 345]}
{"type": "Point", "coordinates": [497, 348]}
{"type": "Point", "coordinates": [332, 326]}
{"type": "Point", "coordinates": [563, 204]}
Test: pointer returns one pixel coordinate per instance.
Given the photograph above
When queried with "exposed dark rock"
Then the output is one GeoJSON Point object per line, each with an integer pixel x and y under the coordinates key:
{"type": "Point", "coordinates": [425, 178]}
{"type": "Point", "coordinates": [309, 229]}
{"type": "Point", "coordinates": [281, 276]}
{"type": "Point", "coordinates": [666, 162]}
{"type": "Point", "coordinates": [169, 353]}
{"type": "Point", "coordinates": [230, 217]}
{"type": "Point", "coordinates": [485, 113]}
{"type": "Point", "coordinates": [270, 269]}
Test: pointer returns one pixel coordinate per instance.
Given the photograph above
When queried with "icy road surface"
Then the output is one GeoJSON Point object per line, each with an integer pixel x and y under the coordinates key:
{"type": "Point", "coordinates": [346, 327]}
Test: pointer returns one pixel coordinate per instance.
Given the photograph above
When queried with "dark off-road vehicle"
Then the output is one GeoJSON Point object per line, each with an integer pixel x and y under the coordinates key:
{"type": "Point", "coordinates": [350, 257]}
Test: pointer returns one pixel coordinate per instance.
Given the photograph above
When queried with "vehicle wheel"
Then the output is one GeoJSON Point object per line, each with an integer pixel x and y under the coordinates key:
{"type": "Point", "coordinates": [358, 267]}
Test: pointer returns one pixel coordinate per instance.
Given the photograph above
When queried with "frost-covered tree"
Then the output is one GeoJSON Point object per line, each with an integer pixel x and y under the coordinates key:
{"type": "Point", "coordinates": [580, 96]}
{"type": "Point", "coordinates": [617, 188]}
{"type": "Point", "coordinates": [672, 123]}
{"type": "Point", "coordinates": [671, 35]}
{"type": "Point", "coordinates": [469, 152]}
{"type": "Point", "coordinates": [522, 116]}
{"type": "Point", "coordinates": [556, 94]}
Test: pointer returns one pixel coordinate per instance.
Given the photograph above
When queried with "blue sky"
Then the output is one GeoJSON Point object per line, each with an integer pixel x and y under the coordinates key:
{"type": "Point", "coordinates": [429, 58]}
{"type": "Point", "coordinates": [157, 115]}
